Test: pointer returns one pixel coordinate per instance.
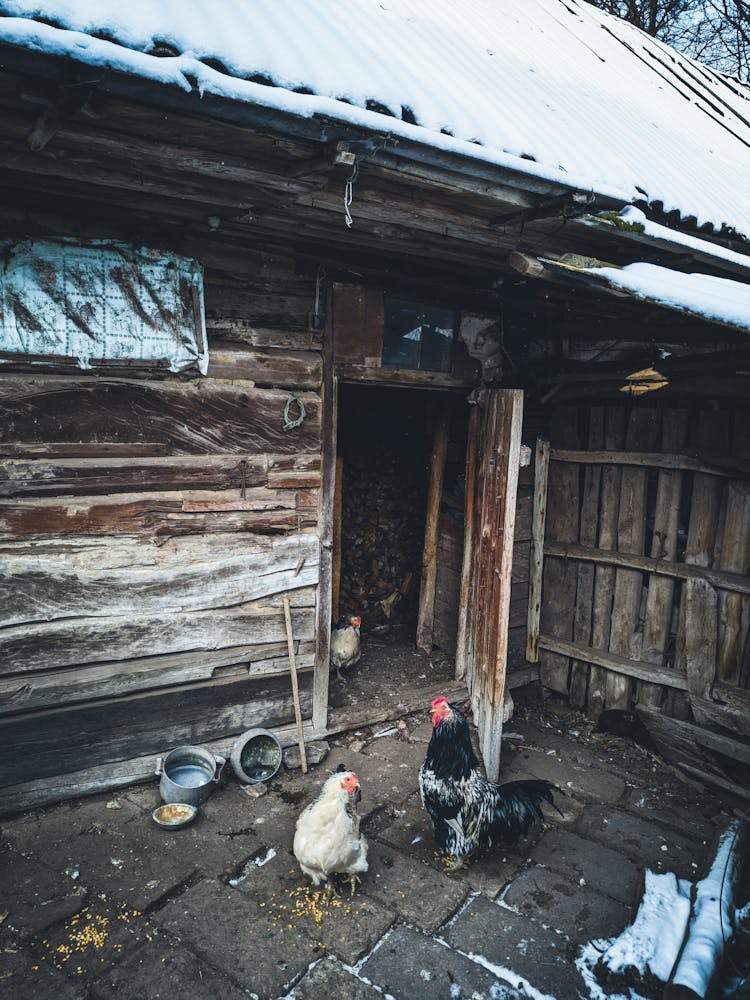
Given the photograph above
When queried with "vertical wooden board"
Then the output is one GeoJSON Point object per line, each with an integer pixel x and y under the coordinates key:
{"type": "Point", "coordinates": [372, 335]}
{"type": "Point", "coordinates": [536, 553]}
{"type": "Point", "coordinates": [463, 650]}
{"type": "Point", "coordinates": [584, 612]}
{"type": "Point", "coordinates": [432, 523]}
{"type": "Point", "coordinates": [604, 576]}
{"type": "Point", "coordinates": [336, 554]}
{"type": "Point", "coordinates": [560, 575]}
{"type": "Point", "coordinates": [735, 556]}
{"type": "Point", "coordinates": [712, 443]}
{"type": "Point", "coordinates": [661, 589]}
{"type": "Point", "coordinates": [325, 531]}
{"type": "Point", "coordinates": [701, 630]}
{"type": "Point", "coordinates": [348, 322]}
{"type": "Point", "coordinates": [642, 434]}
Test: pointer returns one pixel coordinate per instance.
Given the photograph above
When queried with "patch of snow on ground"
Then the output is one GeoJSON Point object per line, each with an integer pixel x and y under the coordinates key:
{"type": "Point", "coordinates": [651, 943]}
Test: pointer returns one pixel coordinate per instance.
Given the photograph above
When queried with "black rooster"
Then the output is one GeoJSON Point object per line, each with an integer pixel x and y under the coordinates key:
{"type": "Point", "coordinates": [467, 811]}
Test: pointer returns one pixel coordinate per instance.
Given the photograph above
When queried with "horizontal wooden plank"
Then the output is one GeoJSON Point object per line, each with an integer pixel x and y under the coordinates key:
{"type": "Point", "coordinates": [613, 661]}
{"type": "Point", "coordinates": [651, 459]}
{"type": "Point", "coordinates": [81, 449]}
{"type": "Point", "coordinates": [67, 643]}
{"type": "Point", "coordinates": [692, 734]}
{"type": "Point", "coordinates": [736, 582]}
{"type": "Point", "coordinates": [45, 589]}
{"type": "Point", "coordinates": [42, 744]}
{"type": "Point", "coordinates": [293, 479]}
{"type": "Point", "coordinates": [267, 366]}
{"type": "Point", "coordinates": [729, 707]}
{"type": "Point", "coordinates": [189, 417]}
{"type": "Point", "coordinates": [49, 689]}
{"type": "Point", "coordinates": [262, 332]}
{"type": "Point", "coordinates": [156, 515]}
{"type": "Point", "coordinates": [118, 774]}
{"type": "Point", "coordinates": [49, 476]}
{"type": "Point", "coordinates": [402, 376]}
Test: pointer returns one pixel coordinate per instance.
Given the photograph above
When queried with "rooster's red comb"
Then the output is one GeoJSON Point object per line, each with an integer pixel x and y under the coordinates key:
{"type": "Point", "coordinates": [442, 700]}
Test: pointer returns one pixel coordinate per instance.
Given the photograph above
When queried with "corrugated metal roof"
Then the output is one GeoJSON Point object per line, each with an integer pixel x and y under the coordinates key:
{"type": "Point", "coordinates": [554, 88]}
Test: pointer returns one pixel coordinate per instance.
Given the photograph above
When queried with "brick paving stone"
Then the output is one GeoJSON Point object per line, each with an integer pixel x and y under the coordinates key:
{"type": "Point", "coordinates": [92, 941]}
{"type": "Point", "coordinates": [34, 896]}
{"type": "Point", "coordinates": [164, 968]}
{"type": "Point", "coordinates": [667, 806]}
{"type": "Point", "coordinates": [562, 903]}
{"type": "Point", "coordinates": [120, 852]}
{"type": "Point", "coordinates": [419, 895]}
{"type": "Point", "coordinates": [409, 965]}
{"type": "Point", "coordinates": [521, 947]}
{"type": "Point", "coordinates": [589, 783]}
{"type": "Point", "coordinates": [329, 979]}
{"type": "Point", "coordinates": [24, 977]}
{"type": "Point", "coordinates": [346, 926]}
{"type": "Point", "coordinates": [602, 869]}
{"type": "Point", "coordinates": [647, 844]}
{"type": "Point", "coordinates": [229, 931]}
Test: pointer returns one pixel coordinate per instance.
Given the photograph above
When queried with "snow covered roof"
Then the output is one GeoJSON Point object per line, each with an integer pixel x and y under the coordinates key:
{"type": "Point", "coordinates": [553, 88]}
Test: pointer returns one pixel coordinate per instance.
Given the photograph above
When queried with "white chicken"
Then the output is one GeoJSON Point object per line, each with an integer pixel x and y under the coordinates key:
{"type": "Point", "coordinates": [327, 840]}
{"type": "Point", "coordinates": [345, 645]}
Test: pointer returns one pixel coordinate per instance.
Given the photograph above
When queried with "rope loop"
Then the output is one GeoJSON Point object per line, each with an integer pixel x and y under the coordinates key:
{"type": "Point", "coordinates": [290, 425]}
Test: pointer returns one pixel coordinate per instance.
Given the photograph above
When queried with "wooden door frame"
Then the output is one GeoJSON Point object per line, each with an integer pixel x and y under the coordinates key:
{"type": "Point", "coordinates": [492, 463]}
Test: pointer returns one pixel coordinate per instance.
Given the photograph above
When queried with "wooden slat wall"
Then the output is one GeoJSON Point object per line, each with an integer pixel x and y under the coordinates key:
{"type": "Point", "coordinates": [149, 527]}
{"type": "Point", "coordinates": [666, 625]}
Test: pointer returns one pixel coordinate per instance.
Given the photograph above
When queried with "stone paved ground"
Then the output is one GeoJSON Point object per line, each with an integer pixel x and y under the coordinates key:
{"type": "Point", "coordinates": [97, 902]}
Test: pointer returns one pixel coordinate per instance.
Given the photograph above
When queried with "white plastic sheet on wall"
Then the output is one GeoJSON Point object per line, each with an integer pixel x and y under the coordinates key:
{"type": "Point", "coordinates": [101, 301]}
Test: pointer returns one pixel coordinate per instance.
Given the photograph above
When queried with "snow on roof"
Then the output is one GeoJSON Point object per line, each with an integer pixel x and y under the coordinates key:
{"type": "Point", "coordinates": [553, 88]}
{"type": "Point", "coordinates": [719, 300]}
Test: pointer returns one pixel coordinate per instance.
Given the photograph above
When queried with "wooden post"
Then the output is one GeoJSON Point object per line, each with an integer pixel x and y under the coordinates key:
{"type": "Point", "coordinates": [464, 616]}
{"type": "Point", "coordinates": [336, 553]}
{"type": "Point", "coordinates": [536, 556]}
{"type": "Point", "coordinates": [325, 585]}
{"type": "Point", "coordinates": [295, 688]}
{"type": "Point", "coordinates": [432, 524]}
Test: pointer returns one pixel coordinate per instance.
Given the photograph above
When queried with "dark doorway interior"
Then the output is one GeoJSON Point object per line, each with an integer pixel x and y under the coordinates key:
{"type": "Point", "coordinates": [385, 438]}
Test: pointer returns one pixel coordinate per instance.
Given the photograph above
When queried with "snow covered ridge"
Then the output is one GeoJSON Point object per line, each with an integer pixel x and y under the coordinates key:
{"type": "Point", "coordinates": [553, 88]}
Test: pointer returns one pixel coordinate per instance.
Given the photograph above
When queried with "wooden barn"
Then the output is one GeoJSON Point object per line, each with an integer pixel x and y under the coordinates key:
{"type": "Point", "coordinates": [440, 324]}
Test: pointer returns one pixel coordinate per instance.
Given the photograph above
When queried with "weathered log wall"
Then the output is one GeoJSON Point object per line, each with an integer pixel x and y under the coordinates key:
{"type": "Point", "coordinates": [149, 526]}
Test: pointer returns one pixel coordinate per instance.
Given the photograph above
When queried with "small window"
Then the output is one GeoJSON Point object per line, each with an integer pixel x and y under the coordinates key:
{"type": "Point", "coordinates": [418, 336]}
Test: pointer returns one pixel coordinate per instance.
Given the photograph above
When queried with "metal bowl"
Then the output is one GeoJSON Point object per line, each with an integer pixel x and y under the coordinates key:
{"type": "Point", "coordinates": [174, 814]}
{"type": "Point", "coordinates": [256, 756]}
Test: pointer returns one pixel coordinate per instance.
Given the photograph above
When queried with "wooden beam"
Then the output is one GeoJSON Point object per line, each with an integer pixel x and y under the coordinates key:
{"type": "Point", "coordinates": [432, 524]}
{"type": "Point", "coordinates": [737, 582]}
{"type": "Point", "coordinates": [620, 665]}
{"type": "Point", "coordinates": [656, 460]}
{"type": "Point", "coordinates": [536, 555]}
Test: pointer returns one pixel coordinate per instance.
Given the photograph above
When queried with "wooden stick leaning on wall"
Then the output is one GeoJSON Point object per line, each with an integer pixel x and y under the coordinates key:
{"type": "Point", "coordinates": [295, 688]}
{"type": "Point", "coordinates": [432, 523]}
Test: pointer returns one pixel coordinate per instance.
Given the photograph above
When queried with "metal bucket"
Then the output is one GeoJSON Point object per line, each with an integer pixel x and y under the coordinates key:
{"type": "Point", "coordinates": [256, 756]}
{"type": "Point", "coordinates": [189, 774]}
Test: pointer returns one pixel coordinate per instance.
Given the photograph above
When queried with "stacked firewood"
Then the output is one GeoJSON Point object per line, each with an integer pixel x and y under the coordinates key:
{"type": "Point", "coordinates": [382, 537]}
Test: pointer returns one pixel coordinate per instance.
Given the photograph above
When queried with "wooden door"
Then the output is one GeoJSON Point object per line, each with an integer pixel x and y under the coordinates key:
{"type": "Point", "coordinates": [492, 462]}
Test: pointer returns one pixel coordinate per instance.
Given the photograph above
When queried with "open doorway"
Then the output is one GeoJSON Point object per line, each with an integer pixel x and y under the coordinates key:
{"type": "Point", "coordinates": [385, 441]}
